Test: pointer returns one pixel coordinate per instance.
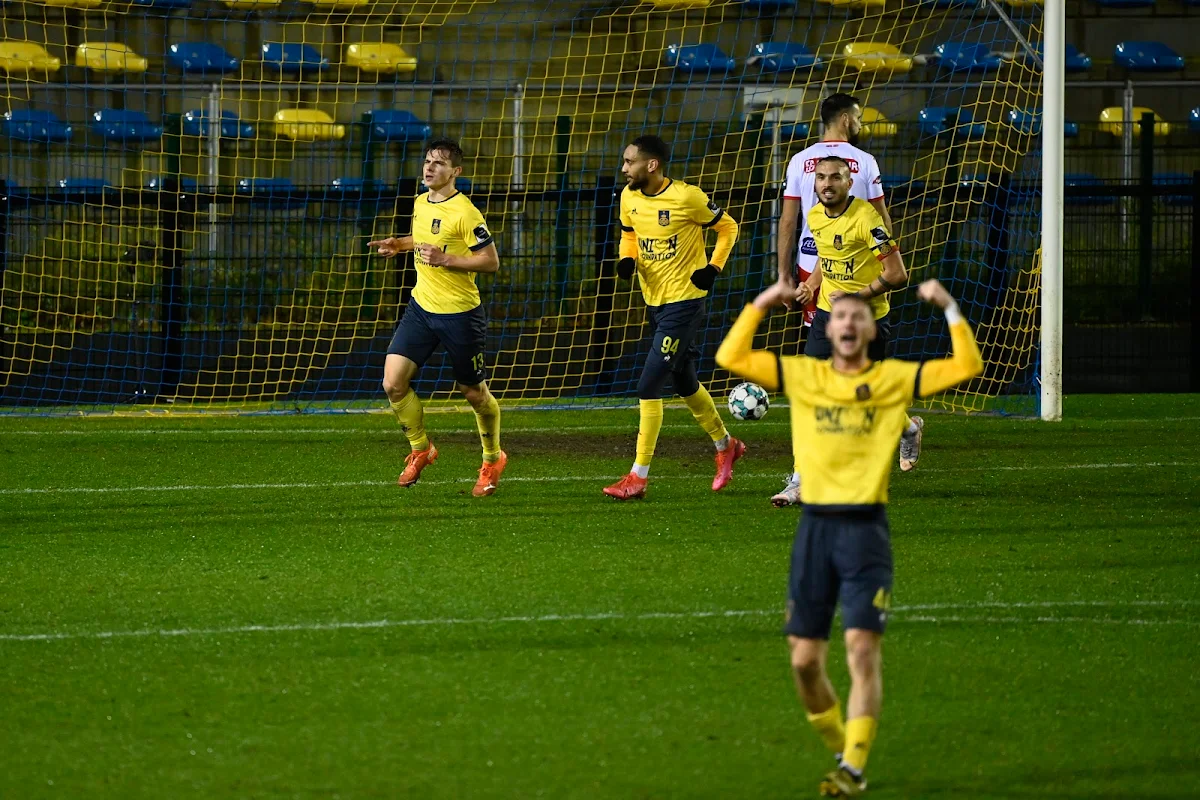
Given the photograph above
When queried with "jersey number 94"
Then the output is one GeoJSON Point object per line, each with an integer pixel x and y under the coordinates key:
{"type": "Point", "coordinates": [748, 401]}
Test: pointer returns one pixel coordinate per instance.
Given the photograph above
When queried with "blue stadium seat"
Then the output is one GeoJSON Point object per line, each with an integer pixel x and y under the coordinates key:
{"type": "Point", "coordinates": [201, 58]}
{"type": "Point", "coordinates": [1181, 179]}
{"type": "Point", "coordinates": [942, 119]}
{"type": "Point", "coordinates": [349, 185]}
{"type": "Point", "coordinates": [1073, 61]}
{"type": "Point", "coordinates": [159, 182]}
{"type": "Point", "coordinates": [1194, 120]}
{"type": "Point", "coordinates": [783, 57]}
{"type": "Point", "coordinates": [1031, 122]}
{"type": "Point", "coordinates": [31, 125]}
{"type": "Point", "coordinates": [1147, 57]}
{"type": "Point", "coordinates": [794, 130]}
{"type": "Point", "coordinates": [270, 192]}
{"type": "Point", "coordinates": [292, 58]}
{"type": "Point", "coordinates": [395, 125]}
{"type": "Point", "coordinates": [195, 123]}
{"type": "Point", "coordinates": [964, 57]}
{"type": "Point", "coordinates": [89, 187]}
{"type": "Point", "coordinates": [125, 127]}
{"type": "Point", "coordinates": [698, 59]}
{"type": "Point", "coordinates": [1125, 3]}
{"type": "Point", "coordinates": [1085, 179]}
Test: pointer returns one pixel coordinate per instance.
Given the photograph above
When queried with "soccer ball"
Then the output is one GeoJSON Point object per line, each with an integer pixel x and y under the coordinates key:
{"type": "Point", "coordinates": [748, 401]}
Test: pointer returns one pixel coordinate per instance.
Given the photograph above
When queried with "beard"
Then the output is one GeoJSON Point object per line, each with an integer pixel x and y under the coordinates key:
{"type": "Point", "coordinates": [852, 138]}
{"type": "Point", "coordinates": [835, 201]}
{"type": "Point", "coordinates": [636, 183]}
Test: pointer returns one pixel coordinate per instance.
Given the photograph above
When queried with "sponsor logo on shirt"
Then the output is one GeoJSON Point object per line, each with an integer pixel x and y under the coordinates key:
{"type": "Point", "coordinates": [808, 246]}
{"type": "Point", "coordinates": [810, 165]}
{"type": "Point", "coordinates": [481, 234]}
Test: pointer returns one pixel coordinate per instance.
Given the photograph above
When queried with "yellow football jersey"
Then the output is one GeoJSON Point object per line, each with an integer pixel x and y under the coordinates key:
{"type": "Point", "coordinates": [670, 229]}
{"type": "Point", "coordinates": [456, 226]}
{"type": "Point", "coordinates": [850, 248]}
{"type": "Point", "coordinates": [848, 426]}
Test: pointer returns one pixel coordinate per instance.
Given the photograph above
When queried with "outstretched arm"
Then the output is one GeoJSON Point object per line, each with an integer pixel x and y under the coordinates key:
{"type": "Point", "coordinates": [964, 362]}
{"type": "Point", "coordinates": [392, 245]}
{"type": "Point", "coordinates": [736, 353]}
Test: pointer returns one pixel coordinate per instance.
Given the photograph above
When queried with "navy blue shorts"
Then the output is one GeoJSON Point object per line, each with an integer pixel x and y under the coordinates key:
{"type": "Point", "coordinates": [839, 556]}
{"type": "Point", "coordinates": [673, 349]}
{"type": "Point", "coordinates": [463, 335]}
{"type": "Point", "coordinates": [819, 346]}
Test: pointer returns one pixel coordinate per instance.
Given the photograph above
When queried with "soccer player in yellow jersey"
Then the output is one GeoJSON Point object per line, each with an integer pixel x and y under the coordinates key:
{"type": "Point", "coordinates": [662, 240]}
{"type": "Point", "coordinates": [451, 245]}
{"type": "Point", "coordinates": [847, 412]}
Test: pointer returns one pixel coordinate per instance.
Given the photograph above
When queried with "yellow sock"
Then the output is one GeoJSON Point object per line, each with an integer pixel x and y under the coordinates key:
{"type": "Point", "coordinates": [411, 417]}
{"type": "Point", "coordinates": [705, 411]}
{"type": "Point", "coordinates": [860, 733]}
{"type": "Point", "coordinates": [831, 728]}
{"type": "Point", "coordinates": [488, 422]}
{"type": "Point", "coordinates": [651, 424]}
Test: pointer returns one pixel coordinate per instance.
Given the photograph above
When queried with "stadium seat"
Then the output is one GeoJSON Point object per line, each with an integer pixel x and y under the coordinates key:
{"type": "Point", "coordinates": [71, 3]}
{"type": "Point", "coordinates": [876, 57]}
{"type": "Point", "coordinates": [394, 125]}
{"type": "Point", "coordinates": [1112, 119]}
{"type": "Point", "coordinates": [251, 5]}
{"type": "Point", "coordinates": [292, 58]}
{"type": "Point", "coordinates": [854, 3]}
{"type": "Point", "coordinates": [1023, 3]}
{"type": "Point", "coordinates": [1085, 179]}
{"type": "Point", "coordinates": [125, 127]}
{"type": "Point", "coordinates": [1194, 120]}
{"type": "Point", "coordinates": [159, 182]}
{"type": "Point", "coordinates": [195, 123]}
{"type": "Point", "coordinates": [678, 3]}
{"type": "Point", "coordinates": [307, 125]}
{"type": "Point", "coordinates": [794, 130]}
{"type": "Point", "coordinates": [1031, 122]}
{"type": "Point", "coordinates": [783, 57]}
{"type": "Point", "coordinates": [201, 58]}
{"type": "Point", "coordinates": [112, 57]}
{"type": "Point", "coordinates": [1147, 57]}
{"type": "Point", "coordinates": [381, 57]}
{"type": "Point", "coordinates": [270, 192]}
{"type": "Point", "coordinates": [87, 186]}
{"type": "Point", "coordinates": [699, 59]}
{"type": "Point", "coordinates": [35, 126]}
{"type": "Point", "coordinates": [876, 125]}
{"type": "Point", "coordinates": [937, 120]}
{"type": "Point", "coordinates": [162, 5]}
{"type": "Point", "coordinates": [963, 57]}
{"type": "Point", "coordinates": [1073, 60]}
{"type": "Point", "coordinates": [330, 5]}
{"type": "Point", "coordinates": [21, 58]}
{"type": "Point", "coordinates": [357, 184]}
{"type": "Point", "coordinates": [1181, 179]}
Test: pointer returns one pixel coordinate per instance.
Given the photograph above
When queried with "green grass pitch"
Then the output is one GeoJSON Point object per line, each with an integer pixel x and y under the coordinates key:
{"type": "Point", "coordinates": [248, 607]}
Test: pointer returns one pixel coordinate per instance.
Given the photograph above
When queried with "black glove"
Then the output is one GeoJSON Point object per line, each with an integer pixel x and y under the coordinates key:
{"type": "Point", "coordinates": [625, 268]}
{"type": "Point", "coordinates": [705, 278]}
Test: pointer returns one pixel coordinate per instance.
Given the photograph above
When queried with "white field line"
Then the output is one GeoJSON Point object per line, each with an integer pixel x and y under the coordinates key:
{"type": "Point", "coordinates": [351, 431]}
{"type": "Point", "coordinates": [195, 487]}
{"type": "Point", "coordinates": [900, 611]}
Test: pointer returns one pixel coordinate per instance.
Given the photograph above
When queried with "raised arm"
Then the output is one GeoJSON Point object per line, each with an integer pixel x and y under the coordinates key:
{"type": "Point", "coordinates": [736, 354]}
{"type": "Point", "coordinates": [964, 362]}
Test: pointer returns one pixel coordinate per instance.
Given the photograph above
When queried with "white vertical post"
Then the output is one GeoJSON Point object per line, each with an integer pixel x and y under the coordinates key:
{"type": "Point", "coordinates": [212, 163]}
{"type": "Point", "coordinates": [1053, 91]}
{"type": "Point", "coordinates": [775, 115]}
{"type": "Point", "coordinates": [518, 169]}
{"type": "Point", "coordinates": [1127, 123]}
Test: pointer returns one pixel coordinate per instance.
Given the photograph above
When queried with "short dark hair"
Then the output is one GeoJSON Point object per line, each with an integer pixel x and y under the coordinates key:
{"type": "Point", "coordinates": [654, 147]}
{"type": "Point", "coordinates": [836, 104]}
{"type": "Point", "coordinates": [838, 159]}
{"type": "Point", "coordinates": [451, 148]}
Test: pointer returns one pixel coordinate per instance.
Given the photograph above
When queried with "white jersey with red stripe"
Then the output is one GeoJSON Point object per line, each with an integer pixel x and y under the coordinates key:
{"type": "Point", "coordinates": [800, 184]}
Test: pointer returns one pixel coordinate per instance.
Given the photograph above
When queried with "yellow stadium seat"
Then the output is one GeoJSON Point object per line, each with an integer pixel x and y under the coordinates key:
{"type": "Point", "coordinates": [331, 4]}
{"type": "Point", "coordinates": [379, 57]}
{"type": "Point", "coordinates": [307, 125]}
{"type": "Point", "coordinates": [251, 5]}
{"type": "Point", "coordinates": [876, 124]}
{"type": "Point", "coordinates": [876, 57]}
{"type": "Point", "coordinates": [1023, 3]}
{"type": "Point", "coordinates": [23, 57]}
{"type": "Point", "coordinates": [71, 3]}
{"type": "Point", "coordinates": [1112, 120]}
{"type": "Point", "coordinates": [108, 57]}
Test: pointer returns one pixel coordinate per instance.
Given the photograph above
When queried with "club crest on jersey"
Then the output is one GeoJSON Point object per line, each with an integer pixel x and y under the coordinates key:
{"type": "Point", "coordinates": [837, 241]}
{"type": "Point", "coordinates": [862, 392]}
{"type": "Point", "coordinates": [664, 218]}
{"type": "Point", "coordinates": [436, 226]}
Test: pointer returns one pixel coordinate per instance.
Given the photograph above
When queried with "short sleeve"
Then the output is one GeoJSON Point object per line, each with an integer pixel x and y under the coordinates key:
{"type": "Point", "coordinates": [793, 181]}
{"type": "Point", "coordinates": [878, 237]}
{"type": "Point", "coordinates": [874, 179]}
{"type": "Point", "coordinates": [475, 232]}
{"type": "Point", "coordinates": [701, 209]}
